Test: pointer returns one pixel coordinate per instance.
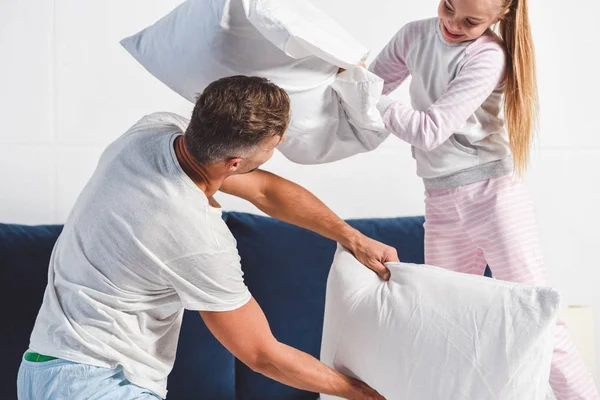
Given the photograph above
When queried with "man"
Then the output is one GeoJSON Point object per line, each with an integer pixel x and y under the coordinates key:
{"type": "Point", "coordinates": [145, 240]}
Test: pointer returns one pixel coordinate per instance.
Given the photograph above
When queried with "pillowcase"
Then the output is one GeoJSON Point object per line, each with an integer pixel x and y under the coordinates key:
{"type": "Point", "coordinates": [288, 281]}
{"type": "Point", "coordinates": [290, 42]}
{"type": "Point", "coordinates": [430, 333]}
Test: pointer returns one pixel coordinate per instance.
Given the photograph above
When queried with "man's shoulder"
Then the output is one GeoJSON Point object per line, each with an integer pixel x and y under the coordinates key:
{"type": "Point", "coordinates": [147, 135]}
{"type": "Point", "coordinates": [167, 118]}
{"type": "Point", "coordinates": [159, 121]}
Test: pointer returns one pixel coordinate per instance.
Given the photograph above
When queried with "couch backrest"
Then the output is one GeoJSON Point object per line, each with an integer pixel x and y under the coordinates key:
{"type": "Point", "coordinates": [24, 255]}
{"type": "Point", "coordinates": [285, 268]}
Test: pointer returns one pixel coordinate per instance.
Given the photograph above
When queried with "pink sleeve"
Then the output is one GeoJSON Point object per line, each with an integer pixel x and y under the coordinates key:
{"type": "Point", "coordinates": [390, 64]}
{"type": "Point", "coordinates": [474, 83]}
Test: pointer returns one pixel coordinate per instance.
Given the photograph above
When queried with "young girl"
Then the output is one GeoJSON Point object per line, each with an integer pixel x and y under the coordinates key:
{"type": "Point", "coordinates": [474, 108]}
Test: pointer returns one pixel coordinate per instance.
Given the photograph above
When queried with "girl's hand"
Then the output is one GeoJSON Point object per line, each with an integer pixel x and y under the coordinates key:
{"type": "Point", "coordinates": [360, 64]}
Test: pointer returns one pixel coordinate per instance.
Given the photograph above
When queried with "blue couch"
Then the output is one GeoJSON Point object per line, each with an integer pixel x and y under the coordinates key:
{"type": "Point", "coordinates": [285, 268]}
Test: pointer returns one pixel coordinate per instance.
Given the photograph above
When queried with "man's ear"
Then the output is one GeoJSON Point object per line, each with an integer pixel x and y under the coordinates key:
{"type": "Point", "coordinates": [233, 164]}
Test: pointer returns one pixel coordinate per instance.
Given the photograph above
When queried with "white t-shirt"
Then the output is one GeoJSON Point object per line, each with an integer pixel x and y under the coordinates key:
{"type": "Point", "coordinates": [141, 244]}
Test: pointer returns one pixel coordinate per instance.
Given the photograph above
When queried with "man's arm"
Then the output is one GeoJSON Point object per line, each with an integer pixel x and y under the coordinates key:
{"type": "Point", "coordinates": [246, 334]}
{"type": "Point", "coordinates": [292, 203]}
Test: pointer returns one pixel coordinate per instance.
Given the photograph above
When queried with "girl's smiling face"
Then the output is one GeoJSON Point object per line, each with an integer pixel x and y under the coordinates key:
{"type": "Point", "coordinates": [465, 20]}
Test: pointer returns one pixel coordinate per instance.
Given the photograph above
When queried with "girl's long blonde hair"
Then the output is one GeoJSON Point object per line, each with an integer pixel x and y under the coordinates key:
{"type": "Point", "coordinates": [521, 94]}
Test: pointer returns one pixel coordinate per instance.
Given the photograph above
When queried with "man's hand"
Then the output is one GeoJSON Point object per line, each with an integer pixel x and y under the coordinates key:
{"type": "Point", "coordinates": [372, 253]}
{"type": "Point", "coordinates": [363, 392]}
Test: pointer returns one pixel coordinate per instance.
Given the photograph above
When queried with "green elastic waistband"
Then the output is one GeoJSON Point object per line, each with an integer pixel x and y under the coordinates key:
{"type": "Point", "coordinates": [35, 357]}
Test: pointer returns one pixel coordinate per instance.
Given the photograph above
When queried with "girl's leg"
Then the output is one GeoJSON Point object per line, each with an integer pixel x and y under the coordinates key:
{"type": "Point", "coordinates": [500, 218]}
{"type": "Point", "coordinates": [447, 244]}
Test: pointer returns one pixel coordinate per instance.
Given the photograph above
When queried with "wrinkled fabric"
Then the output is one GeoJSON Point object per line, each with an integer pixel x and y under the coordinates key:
{"type": "Point", "coordinates": [434, 334]}
{"type": "Point", "coordinates": [293, 44]}
{"type": "Point", "coordinates": [65, 380]}
{"type": "Point", "coordinates": [301, 30]}
{"type": "Point", "coordinates": [360, 93]}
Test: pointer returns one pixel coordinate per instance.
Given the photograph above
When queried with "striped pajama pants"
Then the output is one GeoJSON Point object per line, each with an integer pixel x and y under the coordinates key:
{"type": "Point", "coordinates": [492, 222]}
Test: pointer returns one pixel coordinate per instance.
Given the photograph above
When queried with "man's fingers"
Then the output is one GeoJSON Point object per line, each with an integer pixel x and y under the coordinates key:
{"type": "Point", "coordinates": [380, 270]}
{"type": "Point", "coordinates": [393, 256]}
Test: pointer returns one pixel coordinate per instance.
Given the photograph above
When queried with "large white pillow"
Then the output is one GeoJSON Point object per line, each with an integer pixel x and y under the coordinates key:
{"type": "Point", "coordinates": [433, 334]}
{"type": "Point", "coordinates": [290, 42]}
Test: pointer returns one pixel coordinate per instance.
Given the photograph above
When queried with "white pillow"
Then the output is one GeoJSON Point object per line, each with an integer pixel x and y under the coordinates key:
{"type": "Point", "coordinates": [290, 42]}
{"type": "Point", "coordinates": [433, 334]}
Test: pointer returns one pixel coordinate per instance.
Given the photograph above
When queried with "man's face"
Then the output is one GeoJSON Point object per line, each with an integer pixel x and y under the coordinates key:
{"type": "Point", "coordinates": [263, 154]}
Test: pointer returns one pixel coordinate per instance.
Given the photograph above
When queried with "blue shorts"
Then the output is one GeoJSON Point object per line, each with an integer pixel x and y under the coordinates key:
{"type": "Point", "coordinates": [61, 379]}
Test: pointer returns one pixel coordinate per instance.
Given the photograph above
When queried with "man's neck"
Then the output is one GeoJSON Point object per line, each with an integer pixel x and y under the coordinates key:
{"type": "Point", "coordinates": [198, 173]}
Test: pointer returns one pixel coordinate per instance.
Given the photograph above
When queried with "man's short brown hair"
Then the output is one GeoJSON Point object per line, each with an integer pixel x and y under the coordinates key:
{"type": "Point", "coordinates": [233, 115]}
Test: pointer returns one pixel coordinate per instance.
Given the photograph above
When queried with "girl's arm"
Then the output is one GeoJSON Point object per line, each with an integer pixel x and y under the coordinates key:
{"type": "Point", "coordinates": [428, 129]}
{"type": "Point", "coordinates": [390, 64]}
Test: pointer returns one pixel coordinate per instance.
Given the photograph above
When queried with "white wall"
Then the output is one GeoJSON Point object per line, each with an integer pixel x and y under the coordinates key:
{"type": "Point", "coordinates": [67, 89]}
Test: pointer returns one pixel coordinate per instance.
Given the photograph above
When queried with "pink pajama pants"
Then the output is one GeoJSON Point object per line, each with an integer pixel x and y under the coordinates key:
{"type": "Point", "coordinates": [492, 222]}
